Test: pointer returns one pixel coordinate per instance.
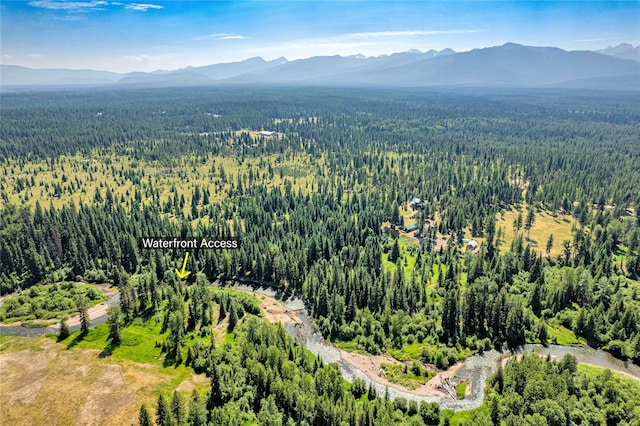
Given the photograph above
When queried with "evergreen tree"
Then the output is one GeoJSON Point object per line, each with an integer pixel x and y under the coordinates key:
{"type": "Point", "coordinates": [82, 304]}
{"type": "Point", "coordinates": [164, 416]}
{"type": "Point", "coordinates": [430, 412]}
{"type": "Point", "coordinates": [635, 349]}
{"type": "Point", "coordinates": [178, 409]}
{"type": "Point", "coordinates": [543, 333]}
{"type": "Point", "coordinates": [197, 410]}
{"type": "Point", "coordinates": [371, 392]}
{"type": "Point", "coordinates": [269, 415]}
{"type": "Point", "coordinates": [530, 220]}
{"type": "Point", "coordinates": [233, 317]}
{"type": "Point", "coordinates": [114, 321]}
{"type": "Point", "coordinates": [395, 252]}
{"type": "Point", "coordinates": [451, 312]}
{"type": "Point", "coordinates": [64, 330]}
{"type": "Point", "coordinates": [144, 419]}
{"type": "Point", "coordinates": [517, 223]}
{"type": "Point", "coordinates": [549, 244]}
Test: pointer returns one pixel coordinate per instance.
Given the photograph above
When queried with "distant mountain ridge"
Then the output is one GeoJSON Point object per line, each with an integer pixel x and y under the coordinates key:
{"type": "Point", "coordinates": [509, 65]}
{"type": "Point", "coordinates": [622, 51]}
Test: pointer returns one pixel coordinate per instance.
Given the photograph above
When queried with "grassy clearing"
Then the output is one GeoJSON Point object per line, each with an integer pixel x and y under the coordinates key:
{"type": "Point", "coordinates": [48, 383]}
{"type": "Point", "coordinates": [408, 377]}
{"type": "Point", "coordinates": [544, 225]}
{"type": "Point", "coordinates": [78, 178]}
{"type": "Point", "coordinates": [407, 353]}
{"type": "Point", "coordinates": [140, 342]}
{"type": "Point", "coordinates": [408, 260]}
{"type": "Point", "coordinates": [562, 336]}
{"type": "Point", "coordinates": [461, 388]}
{"type": "Point", "coordinates": [349, 346]}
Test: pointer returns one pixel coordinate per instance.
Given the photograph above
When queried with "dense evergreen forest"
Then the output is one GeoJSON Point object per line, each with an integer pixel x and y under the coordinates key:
{"type": "Point", "coordinates": [547, 182]}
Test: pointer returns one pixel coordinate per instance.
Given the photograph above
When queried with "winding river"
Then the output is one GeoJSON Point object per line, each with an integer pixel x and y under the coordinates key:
{"type": "Point", "coordinates": [476, 368]}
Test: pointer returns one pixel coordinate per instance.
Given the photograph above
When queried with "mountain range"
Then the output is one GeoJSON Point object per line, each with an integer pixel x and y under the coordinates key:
{"type": "Point", "coordinates": [509, 65]}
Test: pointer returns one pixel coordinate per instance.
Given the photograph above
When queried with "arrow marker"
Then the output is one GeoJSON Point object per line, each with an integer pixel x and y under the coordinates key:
{"type": "Point", "coordinates": [183, 274]}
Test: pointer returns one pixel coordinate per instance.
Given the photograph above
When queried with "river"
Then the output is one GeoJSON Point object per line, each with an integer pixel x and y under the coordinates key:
{"type": "Point", "coordinates": [477, 368]}
{"type": "Point", "coordinates": [33, 331]}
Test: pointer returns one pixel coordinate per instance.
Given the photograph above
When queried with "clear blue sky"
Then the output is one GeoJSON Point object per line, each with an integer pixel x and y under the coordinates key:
{"type": "Point", "coordinates": [150, 35]}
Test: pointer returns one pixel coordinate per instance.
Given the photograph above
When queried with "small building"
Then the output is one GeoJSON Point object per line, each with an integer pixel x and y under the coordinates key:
{"type": "Point", "coordinates": [412, 227]}
{"type": "Point", "coordinates": [472, 245]}
{"type": "Point", "coordinates": [266, 133]}
{"type": "Point", "coordinates": [416, 204]}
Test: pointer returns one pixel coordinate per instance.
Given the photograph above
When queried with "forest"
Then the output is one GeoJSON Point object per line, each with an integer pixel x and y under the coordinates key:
{"type": "Point", "coordinates": [546, 183]}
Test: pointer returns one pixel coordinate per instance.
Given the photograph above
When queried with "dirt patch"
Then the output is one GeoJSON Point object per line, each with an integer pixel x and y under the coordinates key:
{"type": "Point", "coordinates": [44, 383]}
{"type": "Point", "coordinates": [220, 330]}
{"type": "Point", "coordinates": [371, 365]}
{"type": "Point", "coordinates": [275, 311]}
{"type": "Point", "coordinates": [23, 375]}
{"type": "Point", "coordinates": [194, 382]}
{"type": "Point", "coordinates": [441, 242]}
{"type": "Point", "coordinates": [109, 394]}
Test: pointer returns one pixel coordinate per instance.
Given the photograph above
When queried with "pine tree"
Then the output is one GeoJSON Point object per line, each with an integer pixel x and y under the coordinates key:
{"type": "Point", "coordinates": [197, 410]}
{"type": "Point", "coordinates": [530, 220]}
{"type": "Point", "coordinates": [543, 333]}
{"type": "Point", "coordinates": [371, 392]}
{"type": "Point", "coordinates": [451, 313]}
{"type": "Point", "coordinates": [114, 321]}
{"type": "Point", "coordinates": [535, 301]}
{"type": "Point", "coordinates": [144, 419]}
{"type": "Point", "coordinates": [635, 349]}
{"type": "Point", "coordinates": [517, 222]}
{"type": "Point", "coordinates": [83, 305]}
{"type": "Point", "coordinates": [549, 244]}
{"type": "Point", "coordinates": [233, 316]}
{"type": "Point", "coordinates": [395, 252]}
{"type": "Point", "coordinates": [498, 379]}
{"type": "Point", "coordinates": [164, 416]}
{"type": "Point", "coordinates": [177, 408]}
{"type": "Point", "coordinates": [64, 330]}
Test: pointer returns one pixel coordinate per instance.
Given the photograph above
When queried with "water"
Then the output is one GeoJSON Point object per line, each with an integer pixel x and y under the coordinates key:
{"type": "Point", "coordinates": [588, 356]}
{"type": "Point", "coordinates": [26, 331]}
{"type": "Point", "coordinates": [478, 367]}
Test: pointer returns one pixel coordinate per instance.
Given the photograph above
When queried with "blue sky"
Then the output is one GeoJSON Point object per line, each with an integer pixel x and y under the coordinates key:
{"type": "Point", "coordinates": [149, 35]}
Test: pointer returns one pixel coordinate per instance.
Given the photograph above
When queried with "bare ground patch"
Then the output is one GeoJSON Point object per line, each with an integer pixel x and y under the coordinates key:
{"type": "Point", "coordinates": [275, 311]}
{"type": "Point", "coordinates": [371, 365]}
{"type": "Point", "coordinates": [48, 384]}
{"type": "Point", "coordinates": [194, 382]}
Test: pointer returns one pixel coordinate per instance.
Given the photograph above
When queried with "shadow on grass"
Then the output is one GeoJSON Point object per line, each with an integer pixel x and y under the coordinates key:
{"type": "Point", "coordinates": [77, 340]}
{"type": "Point", "coordinates": [108, 350]}
{"type": "Point", "coordinates": [147, 314]}
{"type": "Point", "coordinates": [171, 360]}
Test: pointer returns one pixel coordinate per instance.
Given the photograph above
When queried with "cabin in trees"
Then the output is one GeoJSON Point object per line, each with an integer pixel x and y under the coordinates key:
{"type": "Point", "coordinates": [412, 227]}
{"type": "Point", "coordinates": [416, 204]}
{"type": "Point", "coordinates": [472, 245]}
{"type": "Point", "coordinates": [266, 133]}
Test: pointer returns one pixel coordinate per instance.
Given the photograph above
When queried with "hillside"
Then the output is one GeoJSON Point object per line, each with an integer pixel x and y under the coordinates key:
{"type": "Point", "coordinates": [509, 65]}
